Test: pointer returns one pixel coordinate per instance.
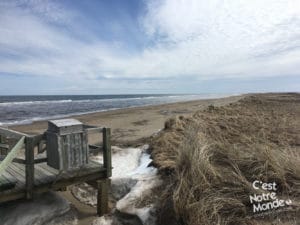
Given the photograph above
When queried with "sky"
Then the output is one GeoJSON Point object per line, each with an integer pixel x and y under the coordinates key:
{"type": "Point", "coordinates": [153, 46]}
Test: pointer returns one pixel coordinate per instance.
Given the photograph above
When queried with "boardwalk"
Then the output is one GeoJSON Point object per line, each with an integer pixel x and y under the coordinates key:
{"type": "Point", "coordinates": [29, 173]}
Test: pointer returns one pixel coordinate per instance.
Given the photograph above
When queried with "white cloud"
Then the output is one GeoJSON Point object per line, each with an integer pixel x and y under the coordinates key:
{"type": "Point", "coordinates": [204, 39]}
{"type": "Point", "coordinates": [215, 35]}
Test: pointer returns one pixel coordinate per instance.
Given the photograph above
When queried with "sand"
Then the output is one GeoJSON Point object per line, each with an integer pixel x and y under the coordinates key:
{"type": "Point", "coordinates": [134, 126]}
{"type": "Point", "coordinates": [130, 127]}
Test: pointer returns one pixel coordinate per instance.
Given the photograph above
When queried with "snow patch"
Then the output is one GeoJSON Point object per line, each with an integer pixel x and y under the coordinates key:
{"type": "Point", "coordinates": [132, 184]}
{"type": "Point", "coordinates": [143, 189]}
{"type": "Point", "coordinates": [143, 169]}
{"type": "Point", "coordinates": [103, 220]}
{"type": "Point", "coordinates": [124, 161]}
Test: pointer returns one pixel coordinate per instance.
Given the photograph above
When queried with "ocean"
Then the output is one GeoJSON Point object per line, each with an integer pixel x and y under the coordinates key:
{"type": "Point", "coordinates": [27, 109]}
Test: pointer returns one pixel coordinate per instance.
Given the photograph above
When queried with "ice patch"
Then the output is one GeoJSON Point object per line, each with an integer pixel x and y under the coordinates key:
{"type": "Point", "coordinates": [144, 168]}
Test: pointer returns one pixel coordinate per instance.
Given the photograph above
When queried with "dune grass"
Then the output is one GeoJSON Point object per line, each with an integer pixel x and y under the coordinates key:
{"type": "Point", "coordinates": [211, 159]}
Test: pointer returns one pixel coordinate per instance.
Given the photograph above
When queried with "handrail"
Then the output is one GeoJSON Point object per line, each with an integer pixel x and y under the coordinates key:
{"type": "Point", "coordinates": [31, 141]}
{"type": "Point", "coordinates": [11, 133]}
{"type": "Point", "coordinates": [6, 146]}
{"type": "Point", "coordinates": [11, 155]}
{"type": "Point", "coordinates": [29, 166]}
{"type": "Point", "coordinates": [92, 129]}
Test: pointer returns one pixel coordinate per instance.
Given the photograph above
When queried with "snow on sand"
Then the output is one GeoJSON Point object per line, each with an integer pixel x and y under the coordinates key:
{"type": "Point", "coordinates": [132, 180]}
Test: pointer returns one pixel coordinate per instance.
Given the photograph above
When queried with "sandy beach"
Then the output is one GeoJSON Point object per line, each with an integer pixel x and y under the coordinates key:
{"type": "Point", "coordinates": [130, 127]}
{"type": "Point", "coordinates": [149, 112]}
{"type": "Point", "coordinates": [133, 126]}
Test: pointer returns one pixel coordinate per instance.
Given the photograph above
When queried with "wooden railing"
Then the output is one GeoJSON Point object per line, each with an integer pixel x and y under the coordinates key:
{"type": "Point", "coordinates": [106, 136]}
{"type": "Point", "coordinates": [12, 154]}
{"type": "Point", "coordinates": [37, 141]}
{"type": "Point", "coordinates": [30, 141]}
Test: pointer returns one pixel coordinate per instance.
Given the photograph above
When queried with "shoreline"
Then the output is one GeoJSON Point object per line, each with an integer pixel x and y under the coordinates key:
{"type": "Point", "coordinates": [134, 124]}
{"type": "Point", "coordinates": [29, 121]}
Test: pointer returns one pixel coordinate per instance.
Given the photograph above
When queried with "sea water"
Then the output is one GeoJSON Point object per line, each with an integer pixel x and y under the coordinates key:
{"type": "Point", "coordinates": [27, 109]}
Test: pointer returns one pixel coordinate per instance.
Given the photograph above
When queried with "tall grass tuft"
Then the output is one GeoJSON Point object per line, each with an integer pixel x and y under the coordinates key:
{"type": "Point", "coordinates": [214, 156]}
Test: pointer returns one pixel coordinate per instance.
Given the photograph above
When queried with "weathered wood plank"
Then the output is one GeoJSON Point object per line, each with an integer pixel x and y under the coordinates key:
{"type": "Point", "coordinates": [49, 168]}
{"type": "Point", "coordinates": [107, 151]}
{"type": "Point", "coordinates": [18, 174]}
{"type": "Point", "coordinates": [56, 184]}
{"type": "Point", "coordinates": [102, 197]}
{"type": "Point", "coordinates": [53, 144]}
{"type": "Point", "coordinates": [94, 130]}
{"type": "Point", "coordinates": [11, 133]}
{"type": "Point", "coordinates": [40, 177]}
{"type": "Point", "coordinates": [11, 155]}
{"type": "Point", "coordinates": [4, 146]}
{"type": "Point", "coordinates": [40, 160]}
{"type": "Point", "coordinates": [70, 181]}
{"type": "Point", "coordinates": [29, 156]}
{"type": "Point", "coordinates": [89, 168]}
{"type": "Point", "coordinates": [50, 175]}
{"type": "Point", "coordinates": [18, 160]}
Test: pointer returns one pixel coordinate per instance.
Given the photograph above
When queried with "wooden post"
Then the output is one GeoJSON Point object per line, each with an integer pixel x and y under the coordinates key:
{"type": "Point", "coordinates": [107, 151]}
{"type": "Point", "coordinates": [29, 158]}
{"type": "Point", "coordinates": [3, 147]}
{"type": "Point", "coordinates": [40, 146]}
{"type": "Point", "coordinates": [102, 197]}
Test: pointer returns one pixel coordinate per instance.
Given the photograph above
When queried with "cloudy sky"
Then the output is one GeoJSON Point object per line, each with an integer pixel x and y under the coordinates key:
{"type": "Point", "coordinates": [153, 46]}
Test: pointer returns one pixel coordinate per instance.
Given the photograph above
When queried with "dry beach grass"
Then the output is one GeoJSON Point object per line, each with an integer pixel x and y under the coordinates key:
{"type": "Point", "coordinates": [210, 160]}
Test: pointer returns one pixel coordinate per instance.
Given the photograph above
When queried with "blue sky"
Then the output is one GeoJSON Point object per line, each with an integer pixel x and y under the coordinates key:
{"type": "Point", "coordinates": [154, 46]}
